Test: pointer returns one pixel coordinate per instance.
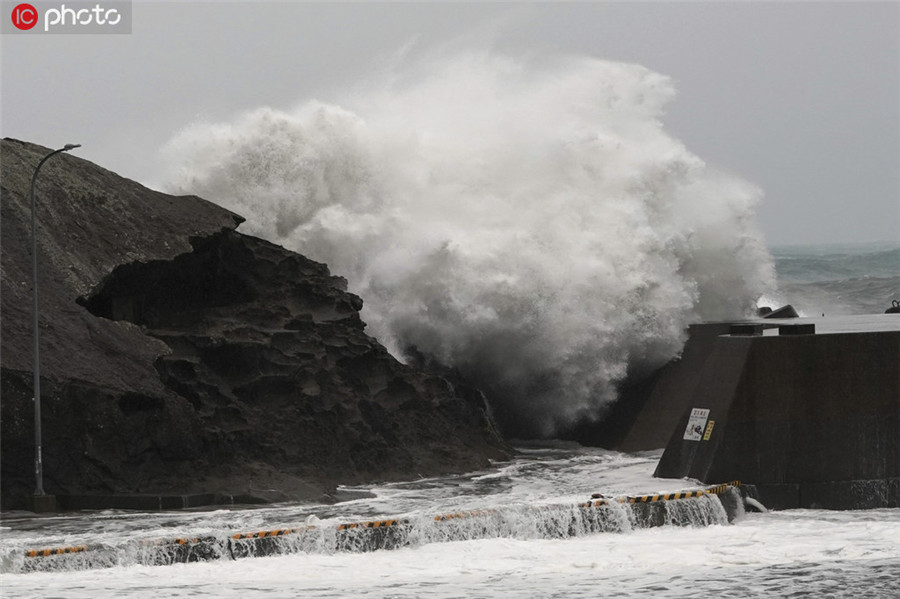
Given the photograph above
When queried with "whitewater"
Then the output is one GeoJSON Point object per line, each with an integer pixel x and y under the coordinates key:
{"type": "Point", "coordinates": [527, 222]}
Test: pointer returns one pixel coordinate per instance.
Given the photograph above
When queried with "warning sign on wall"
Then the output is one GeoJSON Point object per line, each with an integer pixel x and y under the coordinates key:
{"type": "Point", "coordinates": [696, 424]}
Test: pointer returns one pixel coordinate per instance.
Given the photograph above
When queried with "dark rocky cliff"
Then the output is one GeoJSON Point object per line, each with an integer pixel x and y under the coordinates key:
{"type": "Point", "coordinates": [180, 356]}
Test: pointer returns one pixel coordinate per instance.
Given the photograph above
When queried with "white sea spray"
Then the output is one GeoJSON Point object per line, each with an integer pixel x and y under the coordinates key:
{"type": "Point", "coordinates": [532, 225]}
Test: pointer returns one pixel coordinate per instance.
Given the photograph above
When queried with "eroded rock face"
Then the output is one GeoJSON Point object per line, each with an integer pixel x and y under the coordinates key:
{"type": "Point", "coordinates": [179, 356]}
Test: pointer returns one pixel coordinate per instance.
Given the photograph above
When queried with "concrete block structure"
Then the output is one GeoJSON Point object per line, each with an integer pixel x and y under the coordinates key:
{"type": "Point", "coordinates": [806, 411]}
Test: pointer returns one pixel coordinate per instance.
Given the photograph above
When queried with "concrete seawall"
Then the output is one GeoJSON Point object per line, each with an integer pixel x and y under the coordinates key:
{"type": "Point", "coordinates": [811, 420]}
{"type": "Point", "coordinates": [720, 504]}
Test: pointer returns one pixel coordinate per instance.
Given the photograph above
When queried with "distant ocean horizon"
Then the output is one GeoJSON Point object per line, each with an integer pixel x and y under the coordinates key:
{"type": "Point", "coordinates": [837, 279]}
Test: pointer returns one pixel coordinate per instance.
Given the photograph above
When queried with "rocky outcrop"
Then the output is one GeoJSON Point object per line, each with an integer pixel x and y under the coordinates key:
{"type": "Point", "coordinates": [180, 356]}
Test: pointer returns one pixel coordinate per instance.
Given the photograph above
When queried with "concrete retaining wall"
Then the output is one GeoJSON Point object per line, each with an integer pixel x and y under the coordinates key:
{"type": "Point", "coordinates": [697, 507]}
{"type": "Point", "coordinates": [812, 420]}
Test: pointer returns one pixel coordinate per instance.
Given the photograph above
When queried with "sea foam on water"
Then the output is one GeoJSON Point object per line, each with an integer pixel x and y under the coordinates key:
{"type": "Point", "coordinates": [532, 225]}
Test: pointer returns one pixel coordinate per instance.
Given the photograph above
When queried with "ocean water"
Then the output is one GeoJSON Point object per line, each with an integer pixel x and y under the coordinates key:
{"type": "Point", "coordinates": [793, 553]}
{"type": "Point", "coordinates": [837, 279]}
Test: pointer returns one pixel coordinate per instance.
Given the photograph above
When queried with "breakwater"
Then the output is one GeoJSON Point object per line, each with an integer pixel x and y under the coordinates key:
{"type": "Point", "coordinates": [697, 507]}
{"type": "Point", "coordinates": [807, 411]}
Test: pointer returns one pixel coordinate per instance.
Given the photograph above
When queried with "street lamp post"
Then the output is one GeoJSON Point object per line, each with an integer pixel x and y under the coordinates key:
{"type": "Point", "coordinates": [38, 462]}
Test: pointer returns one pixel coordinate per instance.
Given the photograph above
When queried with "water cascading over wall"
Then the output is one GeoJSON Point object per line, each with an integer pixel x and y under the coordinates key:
{"type": "Point", "coordinates": [719, 505]}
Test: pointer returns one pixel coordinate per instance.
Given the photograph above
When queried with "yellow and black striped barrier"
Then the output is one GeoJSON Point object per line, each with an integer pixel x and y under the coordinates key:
{"type": "Point", "coordinates": [56, 551]}
{"type": "Point", "coordinates": [457, 515]}
{"type": "Point", "coordinates": [178, 541]}
{"type": "Point", "coordinates": [719, 489]}
{"type": "Point", "coordinates": [278, 532]}
{"type": "Point", "coordinates": [716, 490]}
{"type": "Point", "coordinates": [371, 524]}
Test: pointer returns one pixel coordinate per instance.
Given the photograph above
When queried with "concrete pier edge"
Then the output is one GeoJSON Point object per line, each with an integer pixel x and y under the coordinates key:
{"type": "Point", "coordinates": [260, 543]}
{"type": "Point", "coordinates": [809, 417]}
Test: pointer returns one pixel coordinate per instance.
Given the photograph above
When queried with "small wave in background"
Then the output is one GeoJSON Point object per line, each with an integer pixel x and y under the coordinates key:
{"type": "Point", "coordinates": [839, 279]}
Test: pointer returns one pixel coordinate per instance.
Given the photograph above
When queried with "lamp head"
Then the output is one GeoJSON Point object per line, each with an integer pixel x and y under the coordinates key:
{"type": "Point", "coordinates": [68, 147]}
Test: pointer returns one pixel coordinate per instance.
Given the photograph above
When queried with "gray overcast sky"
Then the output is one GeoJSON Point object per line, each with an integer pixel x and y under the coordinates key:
{"type": "Point", "coordinates": [802, 99]}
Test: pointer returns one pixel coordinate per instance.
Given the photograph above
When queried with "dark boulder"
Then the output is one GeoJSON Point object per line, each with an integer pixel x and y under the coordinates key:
{"type": "Point", "coordinates": [786, 311]}
{"type": "Point", "coordinates": [180, 356]}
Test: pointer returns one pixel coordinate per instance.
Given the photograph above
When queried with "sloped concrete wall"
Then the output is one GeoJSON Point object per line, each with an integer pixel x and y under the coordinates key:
{"type": "Point", "coordinates": [673, 391]}
{"type": "Point", "coordinates": [810, 420]}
